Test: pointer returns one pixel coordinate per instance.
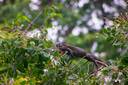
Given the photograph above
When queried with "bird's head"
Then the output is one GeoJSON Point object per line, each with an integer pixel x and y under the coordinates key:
{"type": "Point", "coordinates": [60, 44]}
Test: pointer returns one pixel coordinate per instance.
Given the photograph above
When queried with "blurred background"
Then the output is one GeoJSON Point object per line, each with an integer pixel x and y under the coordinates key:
{"type": "Point", "coordinates": [98, 26]}
{"type": "Point", "coordinates": [76, 21]}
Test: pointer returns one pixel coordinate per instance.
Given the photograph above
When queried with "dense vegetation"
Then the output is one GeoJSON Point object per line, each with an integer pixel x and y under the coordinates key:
{"type": "Point", "coordinates": [26, 60]}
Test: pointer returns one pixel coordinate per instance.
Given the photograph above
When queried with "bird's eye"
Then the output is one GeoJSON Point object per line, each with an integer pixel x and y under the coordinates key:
{"type": "Point", "coordinates": [58, 45]}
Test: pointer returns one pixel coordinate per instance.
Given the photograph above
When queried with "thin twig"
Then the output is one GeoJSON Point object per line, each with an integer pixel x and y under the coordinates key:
{"type": "Point", "coordinates": [33, 21]}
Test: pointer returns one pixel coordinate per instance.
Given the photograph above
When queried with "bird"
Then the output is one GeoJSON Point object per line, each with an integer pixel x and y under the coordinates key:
{"type": "Point", "coordinates": [74, 51]}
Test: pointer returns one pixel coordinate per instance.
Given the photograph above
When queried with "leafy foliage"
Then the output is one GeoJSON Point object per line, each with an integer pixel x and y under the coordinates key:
{"type": "Point", "coordinates": [26, 60]}
{"type": "Point", "coordinates": [117, 36]}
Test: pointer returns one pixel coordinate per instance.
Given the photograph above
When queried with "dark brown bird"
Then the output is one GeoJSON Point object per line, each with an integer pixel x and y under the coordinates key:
{"type": "Point", "coordinates": [74, 51]}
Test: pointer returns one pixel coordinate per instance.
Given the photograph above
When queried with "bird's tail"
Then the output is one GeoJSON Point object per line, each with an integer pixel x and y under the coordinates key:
{"type": "Point", "coordinates": [101, 63]}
